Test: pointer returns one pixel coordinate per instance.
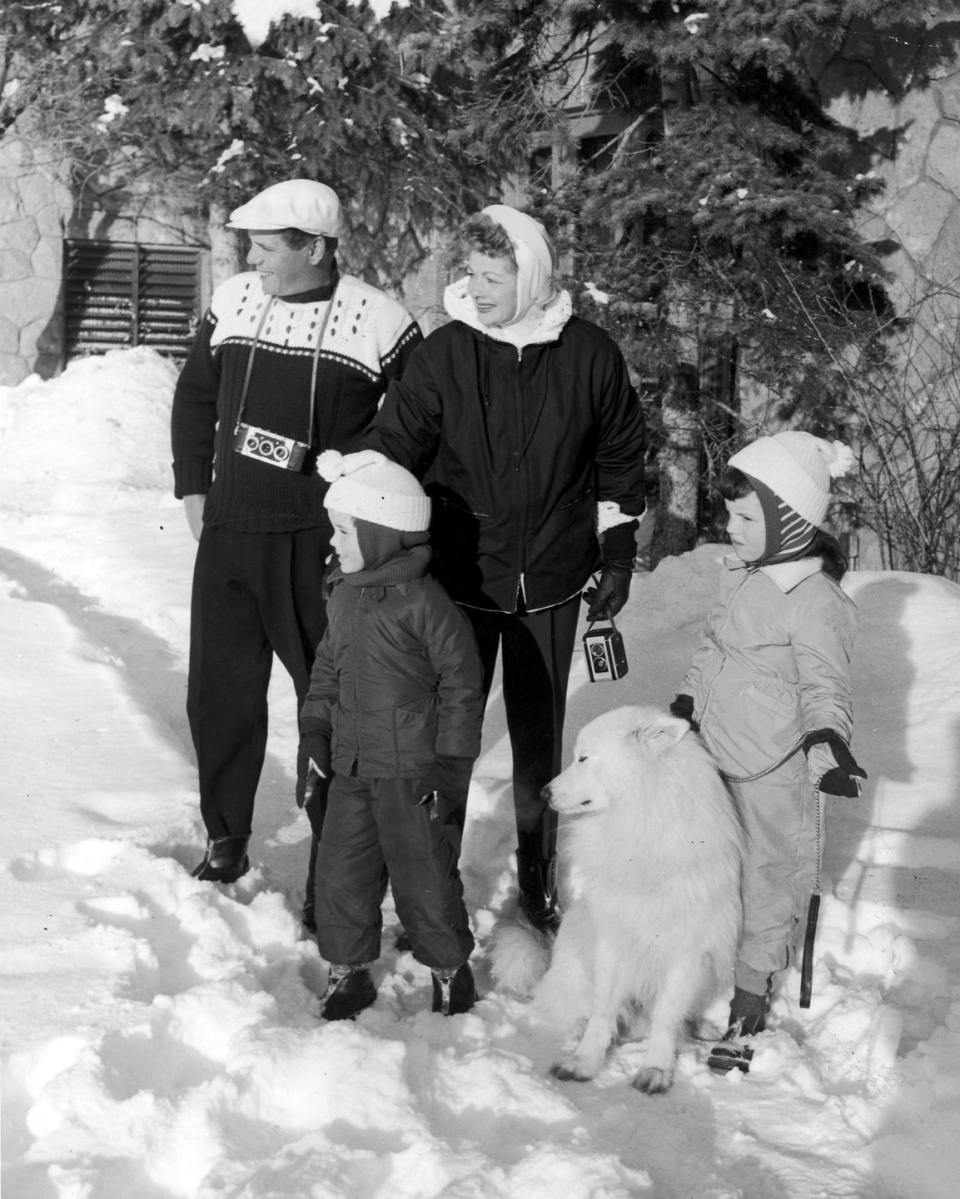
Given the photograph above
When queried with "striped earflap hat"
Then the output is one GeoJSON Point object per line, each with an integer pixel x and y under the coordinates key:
{"type": "Point", "coordinates": [791, 473]}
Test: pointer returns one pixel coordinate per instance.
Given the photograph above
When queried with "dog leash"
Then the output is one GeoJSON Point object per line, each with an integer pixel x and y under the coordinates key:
{"type": "Point", "coordinates": [752, 778]}
{"type": "Point", "coordinates": [813, 914]}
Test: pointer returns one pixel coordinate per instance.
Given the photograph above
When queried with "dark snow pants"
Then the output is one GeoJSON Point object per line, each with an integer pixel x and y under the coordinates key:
{"type": "Point", "coordinates": [375, 831]}
{"type": "Point", "coordinates": [537, 649]}
{"type": "Point", "coordinates": [254, 595]}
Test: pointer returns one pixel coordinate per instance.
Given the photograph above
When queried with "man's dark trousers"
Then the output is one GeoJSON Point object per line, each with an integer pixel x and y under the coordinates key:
{"type": "Point", "coordinates": [254, 595]}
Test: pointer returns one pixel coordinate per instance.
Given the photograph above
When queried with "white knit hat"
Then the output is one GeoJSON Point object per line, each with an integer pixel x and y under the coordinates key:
{"type": "Point", "coordinates": [294, 204]}
{"type": "Point", "coordinates": [797, 467]}
{"type": "Point", "coordinates": [369, 486]}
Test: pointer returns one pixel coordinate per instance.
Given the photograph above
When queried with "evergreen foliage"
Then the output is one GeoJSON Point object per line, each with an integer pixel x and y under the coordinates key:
{"type": "Point", "coordinates": [172, 95]}
{"type": "Point", "coordinates": [719, 229]}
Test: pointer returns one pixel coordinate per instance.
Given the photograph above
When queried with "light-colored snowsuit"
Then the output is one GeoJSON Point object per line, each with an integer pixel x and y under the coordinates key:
{"type": "Point", "coordinates": [773, 666]}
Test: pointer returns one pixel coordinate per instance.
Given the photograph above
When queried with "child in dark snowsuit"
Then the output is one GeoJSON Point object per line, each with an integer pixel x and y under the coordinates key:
{"type": "Point", "coordinates": [770, 690]}
{"type": "Point", "coordinates": [391, 726]}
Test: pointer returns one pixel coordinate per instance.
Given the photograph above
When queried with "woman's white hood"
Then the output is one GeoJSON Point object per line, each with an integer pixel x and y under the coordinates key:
{"type": "Point", "coordinates": [542, 309]}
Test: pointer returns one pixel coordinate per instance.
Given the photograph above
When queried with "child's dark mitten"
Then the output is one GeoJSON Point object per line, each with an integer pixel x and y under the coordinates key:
{"type": "Point", "coordinates": [682, 707]}
{"type": "Point", "coordinates": [452, 784]}
{"type": "Point", "coordinates": [313, 766]}
{"type": "Point", "coordinates": [831, 765]}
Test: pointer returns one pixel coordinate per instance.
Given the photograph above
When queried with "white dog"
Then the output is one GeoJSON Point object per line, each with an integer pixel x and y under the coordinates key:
{"type": "Point", "coordinates": [654, 855]}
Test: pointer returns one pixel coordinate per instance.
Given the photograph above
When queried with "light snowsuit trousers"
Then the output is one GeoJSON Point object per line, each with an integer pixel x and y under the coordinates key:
{"type": "Point", "coordinates": [779, 813]}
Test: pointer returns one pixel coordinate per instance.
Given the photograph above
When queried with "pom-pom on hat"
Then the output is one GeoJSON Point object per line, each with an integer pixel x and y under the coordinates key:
{"type": "Point", "coordinates": [797, 467]}
{"type": "Point", "coordinates": [294, 204]}
{"type": "Point", "coordinates": [368, 486]}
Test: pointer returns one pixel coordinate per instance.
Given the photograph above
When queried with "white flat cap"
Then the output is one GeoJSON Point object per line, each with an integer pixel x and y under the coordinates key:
{"type": "Point", "coordinates": [294, 204]}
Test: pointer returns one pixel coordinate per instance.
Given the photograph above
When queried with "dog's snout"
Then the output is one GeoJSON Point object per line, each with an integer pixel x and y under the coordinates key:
{"type": "Point", "coordinates": [546, 794]}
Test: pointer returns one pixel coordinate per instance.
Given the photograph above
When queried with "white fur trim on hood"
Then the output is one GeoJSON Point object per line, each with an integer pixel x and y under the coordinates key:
{"type": "Point", "coordinates": [540, 326]}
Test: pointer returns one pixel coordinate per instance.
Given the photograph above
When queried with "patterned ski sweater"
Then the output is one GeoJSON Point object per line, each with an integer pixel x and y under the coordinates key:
{"type": "Point", "coordinates": [367, 338]}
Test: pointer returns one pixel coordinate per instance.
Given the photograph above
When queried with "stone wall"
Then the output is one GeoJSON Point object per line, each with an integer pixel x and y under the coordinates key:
{"type": "Point", "coordinates": [901, 96]}
{"type": "Point", "coordinates": [35, 205]}
{"type": "Point", "coordinates": [38, 211]}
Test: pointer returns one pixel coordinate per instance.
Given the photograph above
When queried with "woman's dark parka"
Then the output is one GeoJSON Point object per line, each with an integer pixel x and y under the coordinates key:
{"type": "Point", "coordinates": [516, 448]}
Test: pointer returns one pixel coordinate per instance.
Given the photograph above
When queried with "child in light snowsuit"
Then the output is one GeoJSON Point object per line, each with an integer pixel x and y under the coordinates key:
{"type": "Point", "coordinates": [770, 690]}
{"type": "Point", "coordinates": [390, 728]}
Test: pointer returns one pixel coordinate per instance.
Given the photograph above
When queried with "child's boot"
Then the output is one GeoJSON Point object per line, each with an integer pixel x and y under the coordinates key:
{"type": "Point", "coordinates": [350, 989]}
{"type": "Point", "coordinates": [225, 860]}
{"type": "Point", "coordinates": [454, 991]}
{"type": "Point", "coordinates": [747, 1017]}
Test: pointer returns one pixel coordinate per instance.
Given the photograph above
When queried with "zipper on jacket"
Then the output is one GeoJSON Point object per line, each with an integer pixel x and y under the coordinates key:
{"type": "Point", "coordinates": [356, 680]}
{"type": "Point", "coordinates": [521, 481]}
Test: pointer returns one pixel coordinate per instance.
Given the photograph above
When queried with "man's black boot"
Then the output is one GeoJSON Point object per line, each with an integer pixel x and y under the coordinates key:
{"type": "Point", "coordinates": [225, 860]}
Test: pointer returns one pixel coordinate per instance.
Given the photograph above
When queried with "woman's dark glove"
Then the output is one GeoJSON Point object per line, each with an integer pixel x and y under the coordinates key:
{"type": "Point", "coordinates": [831, 764]}
{"type": "Point", "coordinates": [618, 549]}
{"type": "Point", "coordinates": [682, 707]}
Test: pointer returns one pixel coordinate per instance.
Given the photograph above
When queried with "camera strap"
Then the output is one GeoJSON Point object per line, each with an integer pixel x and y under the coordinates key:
{"type": "Point", "coordinates": [249, 371]}
{"type": "Point", "coordinates": [314, 370]}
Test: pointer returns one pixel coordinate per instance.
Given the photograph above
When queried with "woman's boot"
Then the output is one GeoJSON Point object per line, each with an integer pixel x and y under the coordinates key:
{"type": "Point", "coordinates": [537, 892]}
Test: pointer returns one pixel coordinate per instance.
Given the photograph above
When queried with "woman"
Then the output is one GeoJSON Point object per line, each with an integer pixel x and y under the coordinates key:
{"type": "Point", "coordinates": [524, 421]}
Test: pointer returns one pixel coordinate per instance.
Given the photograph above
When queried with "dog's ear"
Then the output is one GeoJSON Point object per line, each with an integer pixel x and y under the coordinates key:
{"type": "Point", "coordinates": [661, 733]}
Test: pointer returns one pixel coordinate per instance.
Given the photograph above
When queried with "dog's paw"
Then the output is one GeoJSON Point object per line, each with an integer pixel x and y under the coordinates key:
{"type": "Point", "coordinates": [653, 1081]}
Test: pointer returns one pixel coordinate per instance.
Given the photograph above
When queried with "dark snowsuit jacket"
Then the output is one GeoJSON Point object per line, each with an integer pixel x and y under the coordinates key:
{"type": "Point", "coordinates": [397, 678]}
{"type": "Point", "coordinates": [516, 448]}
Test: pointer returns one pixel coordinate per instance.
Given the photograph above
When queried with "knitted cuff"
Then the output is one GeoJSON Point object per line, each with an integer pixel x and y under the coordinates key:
{"type": "Point", "coordinates": [619, 546]}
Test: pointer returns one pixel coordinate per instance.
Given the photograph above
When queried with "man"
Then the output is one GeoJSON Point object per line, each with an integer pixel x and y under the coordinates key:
{"type": "Point", "coordinates": [522, 418]}
{"type": "Point", "coordinates": [291, 358]}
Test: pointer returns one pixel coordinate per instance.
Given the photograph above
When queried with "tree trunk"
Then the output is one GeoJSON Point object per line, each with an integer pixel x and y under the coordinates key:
{"type": "Point", "coordinates": [679, 458]}
{"type": "Point", "coordinates": [226, 254]}
{"type": "Point", "coordinates": [679, 462]}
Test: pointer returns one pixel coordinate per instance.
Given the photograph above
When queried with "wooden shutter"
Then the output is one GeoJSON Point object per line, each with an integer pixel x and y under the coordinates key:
{"type": "Point", "coordinates": [125, 294]}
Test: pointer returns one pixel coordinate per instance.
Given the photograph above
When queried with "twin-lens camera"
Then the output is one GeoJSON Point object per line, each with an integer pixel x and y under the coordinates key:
{"type": "Point", "coordinates": [605, 655]}
{"type": "Point", "coordinates": [271, 448]}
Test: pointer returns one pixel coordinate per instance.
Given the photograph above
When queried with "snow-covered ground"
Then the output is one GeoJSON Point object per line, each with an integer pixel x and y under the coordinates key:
{"type": "Point", "coordinates": [160, 1035]}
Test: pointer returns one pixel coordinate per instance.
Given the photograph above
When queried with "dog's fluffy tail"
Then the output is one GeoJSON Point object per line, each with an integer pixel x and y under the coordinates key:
{"type": "Point", "coordinates": [519, 957]}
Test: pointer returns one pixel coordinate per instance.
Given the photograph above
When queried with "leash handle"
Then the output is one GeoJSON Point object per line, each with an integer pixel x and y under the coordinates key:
{"type": "Point", "coordinates": [813, 914]}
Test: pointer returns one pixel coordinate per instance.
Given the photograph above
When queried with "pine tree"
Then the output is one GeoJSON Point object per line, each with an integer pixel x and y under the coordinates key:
{"type": "Point", "coordinates": [172, 95]}
{"type": "Point", "coordinates": [719, 229]}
